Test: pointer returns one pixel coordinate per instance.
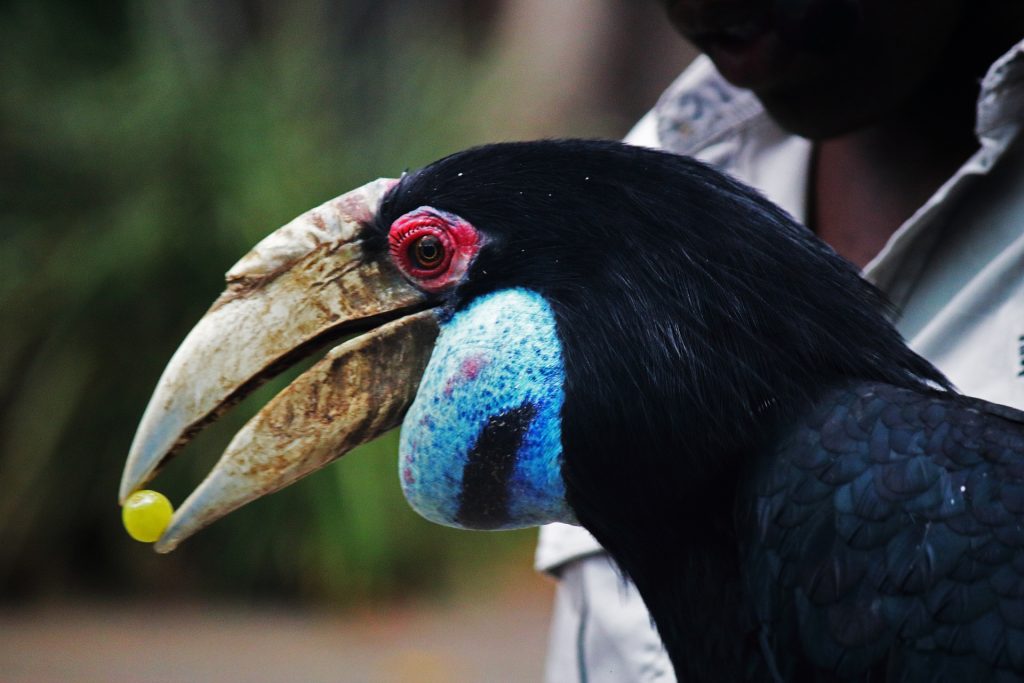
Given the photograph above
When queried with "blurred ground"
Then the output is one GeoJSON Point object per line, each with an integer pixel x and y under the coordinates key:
{"type": "Point", "coordinates": [498, 635]}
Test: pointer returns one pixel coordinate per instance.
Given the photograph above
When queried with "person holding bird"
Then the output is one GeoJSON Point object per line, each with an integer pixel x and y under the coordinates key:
{"type": "Point", "coordinates": [891, 129]}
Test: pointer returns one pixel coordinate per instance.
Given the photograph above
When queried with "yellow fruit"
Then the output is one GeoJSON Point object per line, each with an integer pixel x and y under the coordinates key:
{"type": "Point", "coordinates": [146, 514]}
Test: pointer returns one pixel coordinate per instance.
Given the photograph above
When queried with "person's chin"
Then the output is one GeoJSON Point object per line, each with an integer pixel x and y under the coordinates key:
{"type": "Point", "coordinates": [802, 92]}
{"type": "Point", "coordinates": [756, 62]}
{"type": "Point", "coordinates": [819, 111]}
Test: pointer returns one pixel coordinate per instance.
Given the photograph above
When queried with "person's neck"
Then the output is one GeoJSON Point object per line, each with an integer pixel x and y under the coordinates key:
{"type": "Point", "coordinates": [866, 184]}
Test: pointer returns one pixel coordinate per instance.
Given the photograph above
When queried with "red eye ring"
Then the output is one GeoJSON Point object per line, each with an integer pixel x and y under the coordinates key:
{"type": "Point", "coordinates": [405, 241]}
{"type": "Point", "coordinates": [432, 247]}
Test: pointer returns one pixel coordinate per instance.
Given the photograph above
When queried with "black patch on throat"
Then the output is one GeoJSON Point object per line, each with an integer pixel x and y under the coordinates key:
{"type": "Point", "coordinates": [483, 502]}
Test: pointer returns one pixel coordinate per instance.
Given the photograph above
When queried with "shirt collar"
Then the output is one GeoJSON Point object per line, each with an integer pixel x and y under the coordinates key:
{"type": "Point", "coordinates": [701, 108]}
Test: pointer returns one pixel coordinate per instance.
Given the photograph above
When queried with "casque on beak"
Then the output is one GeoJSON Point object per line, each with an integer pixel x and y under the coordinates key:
{"type": "Point", "coordinates": [307, 283]}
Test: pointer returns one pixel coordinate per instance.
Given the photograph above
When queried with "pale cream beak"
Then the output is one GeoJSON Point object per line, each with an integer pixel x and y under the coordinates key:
{"type": "Point", "coordinates": [307, 283]}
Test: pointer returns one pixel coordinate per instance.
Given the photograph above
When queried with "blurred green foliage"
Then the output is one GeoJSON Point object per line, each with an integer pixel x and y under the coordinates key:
{"type": "Point", "coordinates": [143, 149]}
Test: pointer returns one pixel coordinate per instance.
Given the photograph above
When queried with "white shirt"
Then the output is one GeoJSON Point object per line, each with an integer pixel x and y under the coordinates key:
{"type": "Point", "coordinates": [954, 270]}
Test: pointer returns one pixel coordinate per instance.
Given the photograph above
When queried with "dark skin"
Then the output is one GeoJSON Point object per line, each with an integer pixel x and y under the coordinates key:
{"type": "Point", "coordinates": [886, 89]}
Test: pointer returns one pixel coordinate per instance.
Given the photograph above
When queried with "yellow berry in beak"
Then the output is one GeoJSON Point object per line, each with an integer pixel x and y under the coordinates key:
{"type": "Point", "coordinates": [146, 514]}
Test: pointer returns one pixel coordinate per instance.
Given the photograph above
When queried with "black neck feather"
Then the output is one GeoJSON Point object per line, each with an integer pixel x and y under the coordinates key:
{"type": "Point", "coordinates": [697, 320]}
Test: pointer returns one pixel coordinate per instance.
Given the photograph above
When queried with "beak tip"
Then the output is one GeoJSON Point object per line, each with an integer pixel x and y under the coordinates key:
{"type": "Point", "coordinates": [162, 547]}
{"type": "Point", "coordinates": [172, 535]}
{"type": "Point", "coordinates": [150, 447]}
{"type": "Point", "coordinates": [130, 483]}
{"type": "Point", "coordinates": [124, 491]}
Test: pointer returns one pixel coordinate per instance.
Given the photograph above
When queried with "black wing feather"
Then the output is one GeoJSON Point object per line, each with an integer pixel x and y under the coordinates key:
{"type": "Point", "coordinates": [889, 540]}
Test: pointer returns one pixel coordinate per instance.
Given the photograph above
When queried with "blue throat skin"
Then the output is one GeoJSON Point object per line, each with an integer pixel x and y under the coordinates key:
{"type": "Point", "coordinates": [481, 445]}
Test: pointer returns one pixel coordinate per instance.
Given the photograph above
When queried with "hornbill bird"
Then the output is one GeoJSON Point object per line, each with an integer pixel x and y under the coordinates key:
{"type": "Point", "coordinates": [588, 332]}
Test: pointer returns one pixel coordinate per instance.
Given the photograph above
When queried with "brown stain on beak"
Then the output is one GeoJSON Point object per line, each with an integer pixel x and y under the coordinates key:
{"type": "Point", "coordinates": [360, 390]}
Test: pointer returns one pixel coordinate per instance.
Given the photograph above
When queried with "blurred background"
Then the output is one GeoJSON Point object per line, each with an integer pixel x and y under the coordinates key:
{"type": "Point", "coordinates": [144, 147]}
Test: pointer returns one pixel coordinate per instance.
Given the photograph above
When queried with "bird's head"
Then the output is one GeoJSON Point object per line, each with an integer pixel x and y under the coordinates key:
{"type": "Point", "coordinates": [566, 330]}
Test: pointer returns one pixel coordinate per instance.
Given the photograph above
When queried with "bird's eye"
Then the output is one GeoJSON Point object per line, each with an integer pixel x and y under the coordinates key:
{"type": "Point", "coordinates": [427, 252]}
{"type": "Point", "coordinates": [433, 248]}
